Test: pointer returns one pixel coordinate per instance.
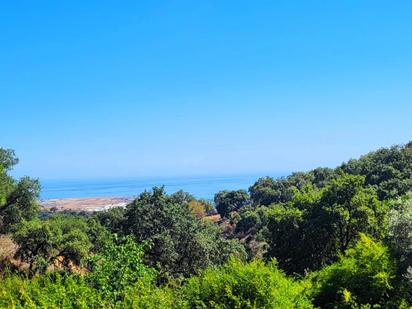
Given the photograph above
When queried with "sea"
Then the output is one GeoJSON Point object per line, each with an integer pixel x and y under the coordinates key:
{"type": "Point", "coordinates": [201, 187]}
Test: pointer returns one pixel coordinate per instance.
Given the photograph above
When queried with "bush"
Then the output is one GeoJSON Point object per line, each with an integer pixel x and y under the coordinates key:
{"type": "Point", "coordinates": [54, 290]}
{"type": "Point", "coordinates": [144, 295]}
{"type": "Point", "coordinates": [362, 277]}
{"type": "Point", "coordinates": [118, 267]}
{"type": "Point", "coordinates": [244, 285]}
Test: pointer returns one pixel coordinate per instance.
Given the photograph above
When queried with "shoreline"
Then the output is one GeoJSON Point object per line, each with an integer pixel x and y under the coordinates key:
{"type": "Point", "coordinates": [89, 204]}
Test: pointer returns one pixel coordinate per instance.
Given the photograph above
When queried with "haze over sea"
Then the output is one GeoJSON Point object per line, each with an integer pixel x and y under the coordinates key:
{"type": "Point", "coordinates": [201, 186]}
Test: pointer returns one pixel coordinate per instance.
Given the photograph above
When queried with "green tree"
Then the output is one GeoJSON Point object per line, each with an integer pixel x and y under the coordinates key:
{"type": "Point", "coordinates": [62, 240]}
{"type": "Point", "coordinates": [350, 208]}
{"type": "Point", "coordinates": [112, 219]}
{"type": "Point", "coordinates": [388, 170]}
{"type": "Point", "coordinates": [400, 240]}
{"type": "Point", "coordinates": [309, 231]}
{"type": "Point", "coordinates": [400, 230]}
{"type": "Point", "coordinates": [267, 191]}
{"type": "Point", "coordinates": [181, 244]}
{"type": "Point", "coordinates": [228, 201]}
{"type": "Point", "coordinates": [322, 176]}
{"type": "Point", "coordinates": [181, 197]}
{"type": "Point", "coordinates": [251, 220]}
{"type": "Point", "coordinates": [18, 199]}
{"type": "Point", "coordinates": [285, 241]}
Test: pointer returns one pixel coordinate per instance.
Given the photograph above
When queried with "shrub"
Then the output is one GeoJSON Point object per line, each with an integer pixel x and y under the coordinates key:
{"type": "Point", "coordinates": [244, 285]}
{"type": "Point", "coordinates": [118, 267]}
{"type": "Point", "coordinates": [54, 290]}
{"type": "Point", "coordinates": [362, 277]}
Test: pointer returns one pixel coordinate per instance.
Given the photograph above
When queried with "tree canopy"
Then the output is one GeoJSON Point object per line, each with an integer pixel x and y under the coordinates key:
{"type": "Point", "coordinates": [228, 201]}
{"type": "Point", "coordinates": [18, 198]}
{"type": "Point", "coordinates": [327, 238]}
{"type": "Point", "coordinates": [181, 243]}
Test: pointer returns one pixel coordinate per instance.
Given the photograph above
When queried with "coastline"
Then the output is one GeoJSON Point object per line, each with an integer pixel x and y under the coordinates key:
{"type": "Point", "coordinates": [89, 204]}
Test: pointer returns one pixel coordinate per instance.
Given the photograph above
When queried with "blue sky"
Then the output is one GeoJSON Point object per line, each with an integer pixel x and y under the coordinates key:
{"type": "Point", "coordinates": [164, 88]}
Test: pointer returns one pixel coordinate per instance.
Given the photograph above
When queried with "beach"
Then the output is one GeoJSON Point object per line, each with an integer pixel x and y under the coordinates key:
{"type": "Point", "coordinates": [84, 204]}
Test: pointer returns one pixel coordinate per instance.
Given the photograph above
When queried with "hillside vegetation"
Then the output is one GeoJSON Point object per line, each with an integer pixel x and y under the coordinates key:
{"type": "Point", "coordinates": [327, 238]}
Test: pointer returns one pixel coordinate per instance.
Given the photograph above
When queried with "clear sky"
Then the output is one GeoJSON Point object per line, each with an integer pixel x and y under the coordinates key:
{"type": "Point", "coordinates": [145, 88]}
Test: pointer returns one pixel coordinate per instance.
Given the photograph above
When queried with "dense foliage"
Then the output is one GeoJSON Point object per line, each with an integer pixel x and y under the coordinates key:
{"type": "Point", "coordinates": [118, 266]}
{"type": "Point", "coordinates": [327, 238]}
{"type": "Point", "coordinates": [363, 276]}
{"type": "Point", "coordinates": [229, 201]}
{"type": "Point", "coordinates": [42, 243]}
{"type": "Point", "coordinates": [180, 243]}
{"type": "Point", "coordinates": [245, 285]}
{"type": "Point", "coordinates": [18, 199]}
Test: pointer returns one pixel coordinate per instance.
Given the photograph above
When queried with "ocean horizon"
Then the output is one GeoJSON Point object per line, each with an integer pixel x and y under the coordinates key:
{"type": "Point", "coordinates": [201, 186]}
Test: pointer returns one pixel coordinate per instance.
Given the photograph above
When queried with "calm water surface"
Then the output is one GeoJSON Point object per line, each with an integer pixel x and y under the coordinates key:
{"type": "Point", "coordinates": [200, 187]}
